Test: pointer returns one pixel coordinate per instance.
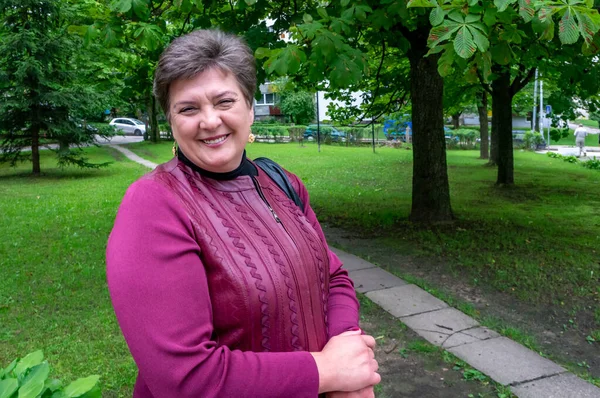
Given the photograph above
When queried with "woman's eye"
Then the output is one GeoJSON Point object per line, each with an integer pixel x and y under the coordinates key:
{"type": "Point", "coordinates": [186, 109]}
{"type": "Point", "coordinates": [226, 102]}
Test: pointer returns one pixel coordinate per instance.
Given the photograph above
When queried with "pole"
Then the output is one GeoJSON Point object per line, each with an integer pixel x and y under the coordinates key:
{"type": "Point", "coordinates": [318, 124]}
{"type": "Point", "coordinates": [541, 105]}
{"type": "Point", "coordinates": [373, 132]}
{"type": "Point", "coordinates": [535, 86]}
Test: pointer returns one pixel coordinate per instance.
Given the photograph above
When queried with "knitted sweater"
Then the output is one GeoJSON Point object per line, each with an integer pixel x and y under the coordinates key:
{"type": "Point", "coordinates": [222, 288]}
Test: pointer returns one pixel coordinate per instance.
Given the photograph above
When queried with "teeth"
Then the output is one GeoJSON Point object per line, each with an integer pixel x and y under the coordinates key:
{"type": "Point", "coordinates": [215, 141]}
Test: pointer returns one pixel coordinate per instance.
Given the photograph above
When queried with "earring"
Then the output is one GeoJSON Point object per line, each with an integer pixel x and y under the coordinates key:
{"type": "Point", "coordinates": [251, 138]}
{"type": "Point", "coordinates": [175, 149]}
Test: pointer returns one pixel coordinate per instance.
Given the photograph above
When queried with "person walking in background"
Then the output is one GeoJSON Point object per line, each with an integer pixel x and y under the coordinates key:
{"type": "Point", "coordinates": [580, 133]}
{"type": "Point", "coordinates": [222, 285]}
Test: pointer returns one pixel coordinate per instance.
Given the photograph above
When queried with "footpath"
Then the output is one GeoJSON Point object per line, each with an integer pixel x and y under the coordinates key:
{"type": "Point", "coordinates": [526, 373]}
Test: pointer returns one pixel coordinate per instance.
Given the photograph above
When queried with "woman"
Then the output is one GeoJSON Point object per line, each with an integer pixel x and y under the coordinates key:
{"type": "Point", "coordinates": [222, 286]}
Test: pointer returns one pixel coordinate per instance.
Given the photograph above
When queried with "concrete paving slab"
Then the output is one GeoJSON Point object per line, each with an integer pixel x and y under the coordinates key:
{"type": "Point", "coordinates": [352, 262]}
{"type": "Point", "coordinates": [437, 326]}
{"type": "Point", "coordinates": [560, 386]}
{"type": "Point", "coordinates": [469, 336]}
{"type": "Point", "coordinates": [366, 280]}
{"type": "Point", "coordinates": [132, 156]}
{"type": "Point", "coordinates": [506, 361]}
{"type": "Point", "coordinates": [406, 300]}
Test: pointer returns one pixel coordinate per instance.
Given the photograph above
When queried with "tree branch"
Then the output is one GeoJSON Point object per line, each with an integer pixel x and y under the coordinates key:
{"type": "Point", "coordinates": [187, 19]}
{"type": "Point", "coordinates": [484, 85]}
{"type": "Point", "coordinates": [518, 85]}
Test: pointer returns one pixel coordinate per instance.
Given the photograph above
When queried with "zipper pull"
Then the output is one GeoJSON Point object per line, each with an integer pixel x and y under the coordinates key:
{"type": "Point", "coordinates": [275, 215]}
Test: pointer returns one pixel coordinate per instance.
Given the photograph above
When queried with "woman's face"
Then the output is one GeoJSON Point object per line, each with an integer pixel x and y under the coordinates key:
{"type": "Point", "coordinates": [210, 119]}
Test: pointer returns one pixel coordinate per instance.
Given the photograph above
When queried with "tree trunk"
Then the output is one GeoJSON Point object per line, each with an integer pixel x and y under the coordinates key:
{"type": "Point", "coordinates": [494, 136]}
{"type": "Point", "coordinates": [456, 121]}
{"type": "Point", "coordinates": [482, 109]}
{"type": "Point", "coordinates": [35, 148]}
{"type": "Point", "coordinates": [502, 102]}
{"type": "Point", "coordinates": [154, 120]}
{"type": "Point", "coordinates": [430, 190]}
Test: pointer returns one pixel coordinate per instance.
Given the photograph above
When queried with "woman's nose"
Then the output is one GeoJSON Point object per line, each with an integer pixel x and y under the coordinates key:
{"type": "Point", "coordinates": [209, 119]}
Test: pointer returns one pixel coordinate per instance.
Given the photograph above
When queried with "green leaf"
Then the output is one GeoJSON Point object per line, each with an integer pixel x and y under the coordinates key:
{"type": "Point", "coordinates": [31, 390]}
{"type": "Point", "coordinates": [81, 386]}
{"type": "Point", "coordinates": [501, 53]}
{"type": "Point", "coordinates": [30, 360]}
{"type": "Point", "coordinates": [592, 48]}
{"type": "Point", "coordinates": [121, 6]}
{"type": "Point", "coordinates": [568, 33]}
{"type": "Point", "coordinates": [456, 16]}
{"type": "Point", "coordinates": [149, 35]}
{"type": "Point", "coordinates": [141, 9]}
{"type": "Point", "coordinates": [9, 368]}
{"type": "Point", "coordinates": [548, 33]}
{"type": "Point", "coordinates": [470, 18]}
{"type": "Point", "coordinates": [587, 27]}
{"type": "Point", "coordinates": [345, 3]}
{"type": "Point", "coordinates": [440, 33]}
{"type": "Point", "coordinates": [446, 60]}
{"type": "Point", "coordinates": [489, 17]}
{"type": "Point", "coordinates": [322, 13]}
{"type": "Point", "coordinates": [250, 2]}
{"type": "Point", "coordinates": [53, 384]}
{"type": "Point", "coordinates": [262, 52]}
{"type": "Point", "coordinates": [436, 17]}
{"type": "Point", "coordinates": [545, 14]}
{"type": "Point", "coordinates": [480, 39]}
{"type": "Point", "coordinates": [307, 18]}
{"type": "Point", "coordinates": [37, 374]}
{"type": "Point", "coordinates": [463, 43]}
{"type": "Point", "coordinates": [420, 3]}
{"type": "Point", "coordinates": [526, 10]}
{"type": "Point", "coordinates": [502, 4]}
{"type": "Point", "coordinates": [8, 387]}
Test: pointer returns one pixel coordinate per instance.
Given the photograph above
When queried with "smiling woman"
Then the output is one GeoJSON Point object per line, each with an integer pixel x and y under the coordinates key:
{"type": "Point", "coordinates": [221, 284]}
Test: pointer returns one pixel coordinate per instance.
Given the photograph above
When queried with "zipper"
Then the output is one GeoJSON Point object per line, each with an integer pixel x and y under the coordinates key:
{"type": "Point", "coordinates": [262, 196]}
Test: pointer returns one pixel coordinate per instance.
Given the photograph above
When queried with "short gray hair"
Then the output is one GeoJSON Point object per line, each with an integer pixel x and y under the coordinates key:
{"type": "Point", "coordinates": [189, 55]}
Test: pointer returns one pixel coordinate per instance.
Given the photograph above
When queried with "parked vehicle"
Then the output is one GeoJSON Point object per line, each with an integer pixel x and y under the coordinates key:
{"type": "Point", "coordinates": [396, 129]}
{"type": "Point", "coordinates": [129, 125]}
{"type": "Point", "coordinates": [326, 130]}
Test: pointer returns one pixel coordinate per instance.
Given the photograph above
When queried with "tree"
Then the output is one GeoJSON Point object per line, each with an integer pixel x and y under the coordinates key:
{"type": "Point", "coordinates": [504, 41]}
{"type": "Point", "coordinates": [43, 83]}
{"type": "Point", "coordinates": [334, 44]}
{"type": "Point", "coordinates": [298, 105]}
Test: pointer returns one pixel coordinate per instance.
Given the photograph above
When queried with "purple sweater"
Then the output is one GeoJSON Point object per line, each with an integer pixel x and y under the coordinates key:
{"type": "Point", "coordinates": [214, 295]}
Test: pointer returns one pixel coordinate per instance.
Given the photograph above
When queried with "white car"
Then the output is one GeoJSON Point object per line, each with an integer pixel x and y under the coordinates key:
{"type": "Point", "coordinates": [129, 125]}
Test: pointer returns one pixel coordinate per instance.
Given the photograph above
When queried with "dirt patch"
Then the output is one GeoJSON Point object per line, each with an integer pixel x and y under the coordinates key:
{"type": "Point", "coordinates": [558, 331]}
{"type": "Point", "coordinates": [409, 367]}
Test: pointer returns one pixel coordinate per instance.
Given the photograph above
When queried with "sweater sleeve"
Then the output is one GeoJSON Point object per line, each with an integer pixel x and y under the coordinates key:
{"type": "Point", "coordinates": [342, 307]}
{"type": "Point", "coordinates": [159, 291]}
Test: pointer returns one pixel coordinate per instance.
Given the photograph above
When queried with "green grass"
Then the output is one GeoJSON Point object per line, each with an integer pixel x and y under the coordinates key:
{"type": "Point", "coordinates": [587, 123]}
{"type": "Point", "coordinates": [537, 240]}
{"type": "Point", "coordinates": [53, 293]}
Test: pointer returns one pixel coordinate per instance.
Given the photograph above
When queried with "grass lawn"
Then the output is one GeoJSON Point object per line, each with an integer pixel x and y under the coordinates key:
{"type": "Point", "coordinates": [536, 240]}
{"type": "Point", "coordinates": [53, 292]}
{"type": "Point", "coordinates": [587, 123]}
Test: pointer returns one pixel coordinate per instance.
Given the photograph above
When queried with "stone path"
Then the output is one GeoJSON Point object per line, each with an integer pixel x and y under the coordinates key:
{"type": "Point", "coordinates": [528, 374]}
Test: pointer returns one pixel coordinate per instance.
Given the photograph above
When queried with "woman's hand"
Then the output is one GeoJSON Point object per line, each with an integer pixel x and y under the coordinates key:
{"type": "Point", "coordinates": [367, 392]}
{"type": "Point", "coordinates": [347, 363]}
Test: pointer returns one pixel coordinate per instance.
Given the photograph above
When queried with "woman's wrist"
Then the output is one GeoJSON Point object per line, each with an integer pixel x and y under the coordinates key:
{"type": "Point", "coordinates": [325, 382]}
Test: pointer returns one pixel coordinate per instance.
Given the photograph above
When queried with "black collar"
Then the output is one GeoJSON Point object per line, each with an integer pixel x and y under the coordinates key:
{"type": "Point", "coordinates": [246, 168]}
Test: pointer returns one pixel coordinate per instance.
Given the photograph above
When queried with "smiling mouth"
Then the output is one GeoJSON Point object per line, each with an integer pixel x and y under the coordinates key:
{"type": "Point", "coordinates": [216, 140]}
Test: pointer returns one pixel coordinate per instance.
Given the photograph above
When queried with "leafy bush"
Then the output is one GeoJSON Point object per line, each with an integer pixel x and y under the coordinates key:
{"type": "Point", "coordinates": [593, 164]}
{"type": "Point", "coordinates": [296, 133]}
{"type": "Point", "coordinates": [466, 137]}
{"type": "Point", "coordinates": [532, 139]}
{"type": "Point", "coordinates": [28, 378]}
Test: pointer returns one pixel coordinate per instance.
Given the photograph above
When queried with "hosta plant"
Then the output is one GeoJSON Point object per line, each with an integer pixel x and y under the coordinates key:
{"type": "Point", "coordinates": [28, 378]}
